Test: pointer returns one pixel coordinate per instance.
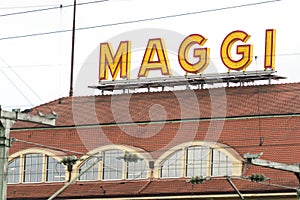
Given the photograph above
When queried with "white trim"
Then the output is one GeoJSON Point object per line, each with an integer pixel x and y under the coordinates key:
{"type": "Point", "coordinates": [235, 158]}
{"type": "Point", "coordinates": [141, 153]}
{"type": "Point", "coordinates": [44, 152]}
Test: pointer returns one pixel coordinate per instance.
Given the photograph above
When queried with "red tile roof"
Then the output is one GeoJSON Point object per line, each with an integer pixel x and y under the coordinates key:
{"type": "Point", "coordinates": [173, 105]}
{"type": "Point", "coordinates": [151, 187]}
{"type": "Point", "coordinates": [185, 116]}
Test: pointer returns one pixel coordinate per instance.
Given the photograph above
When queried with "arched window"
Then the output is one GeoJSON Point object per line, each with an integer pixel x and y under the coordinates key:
{"type": "Point", "coordinates": [92, 173]}
{"type": "Point", "coordinates": [198, 160]}
{"type": "Point", "coordinates": [113, 166]}
{"type": "Point", "coordinates": [55, 171]}
{"type": "Point", "coordinates": [136, 170]}
{"type": "Point", "coordinates": [172, 167]}
{"type": "Point", "coordinates": [14, 171]}
{"type": "Point", "coordinates": [31, 167]}
{"type": "Point", "coordinates": [221, 164]}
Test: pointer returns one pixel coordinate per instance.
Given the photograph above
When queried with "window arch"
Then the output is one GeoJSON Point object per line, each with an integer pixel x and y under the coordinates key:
{"type": "Point", "coordinates": [14, 171]}
{"type": "Point", "coordinates": [55, 171]}
{"type": "Point", "coordinates": [199, 159]}
{"type": "Point", "coordinates": [114, 164]}
{"type": "Point", "coordinates": [136, 170]}
{"type": "Point", "coordinates": [34, 165]}
{"type": "Point", "coordinates": [221, 164]}
{"type": "Point", "coordinates": [172, 167]}
{"type": "Point", "coordinates": [93, 172]}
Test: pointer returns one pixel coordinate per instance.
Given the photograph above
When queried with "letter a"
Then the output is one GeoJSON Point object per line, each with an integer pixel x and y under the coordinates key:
{"type": "Point", "coordinates": [155, 47]}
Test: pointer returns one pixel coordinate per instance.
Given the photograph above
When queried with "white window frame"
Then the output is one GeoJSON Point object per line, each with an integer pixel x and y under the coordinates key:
{"type": "Point", "coordinates": [21, 155]}
{"type": "Point", "coordinates": [231, 154]}
{"type": "Point", "coordinates": [15, 175]}
{"type": "Point", "coordinates": [100, 152]}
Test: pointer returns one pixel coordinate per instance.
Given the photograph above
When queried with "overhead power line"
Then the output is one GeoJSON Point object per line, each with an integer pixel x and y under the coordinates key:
{"type": "Point", "coordinates": [43, 65]}
{"type": "Point", "coordinates": [50, 8]}
{"type": "Point", "coordinates": [24, 82]}
{"type": "Point", "coordinates": [140, 20]}
{"type": "Point", "coordinates": [50, 147]}
{"type": "Point", "coordinates": [22, 7]}
{"type": "Point", "coordinates": [13, 83]}
{"type": "Point", "coordinates": [29, 11]}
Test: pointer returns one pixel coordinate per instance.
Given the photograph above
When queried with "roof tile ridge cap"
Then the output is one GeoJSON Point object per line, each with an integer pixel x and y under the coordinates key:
{"type": "Point", "coordinates": [150, 93]}
{"type": "Point", "coordinates": [48, 104]}
{"type": "Point", "coordinates": [273, 86]}
{"type": "Point", "coordinates": [85, 97]}
{"type": "Point", "coordinates": [264, 84]}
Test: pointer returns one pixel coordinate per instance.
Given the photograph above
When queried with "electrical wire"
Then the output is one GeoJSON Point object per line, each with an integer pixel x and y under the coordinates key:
{"type": "Point", "coordinates": [51, 8]}
{"type": "Point", "coordinates": [49, 147]}
{"type": "Point", "coordinates": [64, 150]}
{"type": "Point", "coordinates": [22, 7]}
{"type": "Point", "coordinates": [106, 163]}
{"type": "Point", "coordinates": [77, 152]}
{"type": "Point", "coordinates": [30, 11]}
{"type": "Point", "coordinates": [20, 91]}
{"type": "Point", "coordinates": [138, 20]}
{"type": "Point", "coordinates": [24, 82]}
{"type": "Point", "coordinates": [247, 145]}
{"type": "Point", "coordinates": [42, 65]}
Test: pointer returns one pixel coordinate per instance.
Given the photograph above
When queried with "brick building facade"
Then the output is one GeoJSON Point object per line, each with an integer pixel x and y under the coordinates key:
{"type": "Point", "coordinates": [150, 145]}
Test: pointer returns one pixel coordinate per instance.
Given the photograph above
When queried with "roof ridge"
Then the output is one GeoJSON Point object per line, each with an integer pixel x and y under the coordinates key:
{"type": "Point", "coordinates": [161, 92]}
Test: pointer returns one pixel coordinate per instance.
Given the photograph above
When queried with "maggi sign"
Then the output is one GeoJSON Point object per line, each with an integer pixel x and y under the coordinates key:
{"type": "Point", "coordinates": [156, 57]}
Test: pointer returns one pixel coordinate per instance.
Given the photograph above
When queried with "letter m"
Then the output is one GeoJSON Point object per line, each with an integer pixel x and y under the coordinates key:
{"type": "Point", "coordinates": [114, 62]}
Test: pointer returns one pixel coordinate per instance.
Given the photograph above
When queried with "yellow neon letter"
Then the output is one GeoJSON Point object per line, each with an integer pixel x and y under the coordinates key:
{"type": "Point", "coordinates": [115, 62]}
{"type": "Point", "coordinates": [201, 53]}
{"type": "Point", "coordinates": [245, 50]}
{"type": "Point", "coordinates": [270, 44]}
{"type": "Point", "coordinates": [155, 47]}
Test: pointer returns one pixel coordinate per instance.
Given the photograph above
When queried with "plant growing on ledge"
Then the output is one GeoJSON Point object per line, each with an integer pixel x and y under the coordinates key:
{"type": "Point", "coordinates": [129, 157]}
{"type": "Point", "coordinates": [258, 178]}
{"type": "Point", "coordinates": [197, 180]}
{"type": "Point", "coordinates": [69, 161]}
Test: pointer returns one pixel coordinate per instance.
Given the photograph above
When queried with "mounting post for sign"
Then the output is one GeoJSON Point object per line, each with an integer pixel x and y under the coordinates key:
{"type": "Point", "coordinates": [7, 119]}
{"type": "Point", "coordinates": [72, 53]}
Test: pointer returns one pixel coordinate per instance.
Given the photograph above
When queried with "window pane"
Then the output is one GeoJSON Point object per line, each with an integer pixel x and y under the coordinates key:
{"type": "Point", "coordinates": [112, 165]}
{"type": "Point", "coordinates": [92, 173]}
{"type": "Point", "coordinates": [55, 170]}
{"type": "Point", "coordinates": [197, 161]}
{"type": "Point", "coordinates": [221, 164]}
{"type": "Point", "coordinates": [33, 166]}
{"type": "Point", "coordinates": [136, 169]}
{"type": "Point", "coordinates": [14, 171]}
{"type": "Point", "coordinates": [172, 166]}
